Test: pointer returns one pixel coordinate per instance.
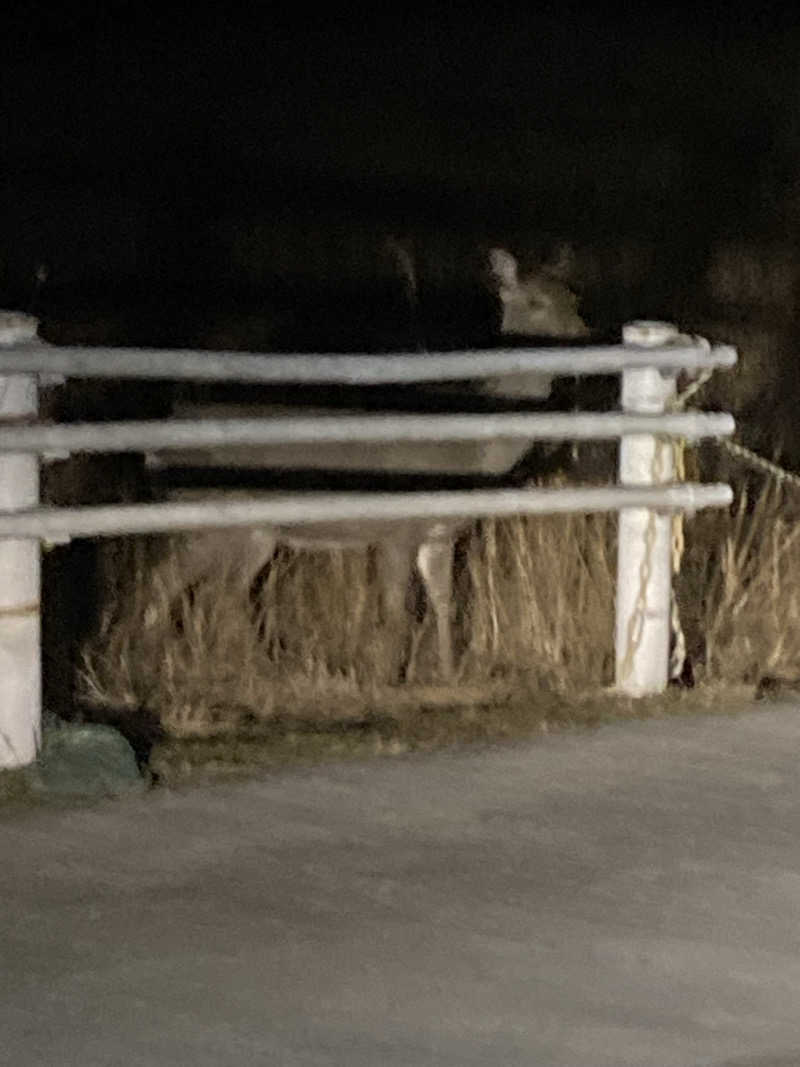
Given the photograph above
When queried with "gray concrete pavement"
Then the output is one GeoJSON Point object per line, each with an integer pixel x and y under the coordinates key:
{"type": "Point", "coordinates": [630, 896]}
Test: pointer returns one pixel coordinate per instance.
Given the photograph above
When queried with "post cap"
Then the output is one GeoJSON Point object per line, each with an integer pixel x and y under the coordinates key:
{"type": "Point", "coordinates": [17, 327]}
{"type": "Point", "coordinates": [650, 333]}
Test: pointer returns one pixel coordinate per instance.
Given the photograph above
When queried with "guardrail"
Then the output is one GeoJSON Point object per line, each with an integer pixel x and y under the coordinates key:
{"type": "Point", "coordinates": [649, 361]}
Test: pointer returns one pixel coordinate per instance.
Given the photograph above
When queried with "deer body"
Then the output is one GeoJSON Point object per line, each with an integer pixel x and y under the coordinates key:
{"type": "Point", "coordinates": [537, 305]}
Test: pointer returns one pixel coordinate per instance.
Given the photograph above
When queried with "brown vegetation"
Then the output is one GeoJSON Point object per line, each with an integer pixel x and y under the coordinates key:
{"type": "Point", "coordinates": [533, 613]}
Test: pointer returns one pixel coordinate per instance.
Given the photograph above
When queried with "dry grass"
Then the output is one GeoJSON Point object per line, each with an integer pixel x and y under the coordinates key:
{"type": "Point", "coordinates": [541, 602]}
{"type": "Point", "coordinates": [539, 596]}
{"type": "Point", "coordinates": [194, 659]}
{"type": "Point", "coordinates": [533, 616]}
{"type": "Point", "coordinates": [739, 587]}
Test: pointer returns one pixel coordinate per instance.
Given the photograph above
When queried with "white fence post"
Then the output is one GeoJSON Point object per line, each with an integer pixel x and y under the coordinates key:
{"type": "Point", "coordinates": [20, 631]}
{"type": "Point", "coordinates": [644, 557]}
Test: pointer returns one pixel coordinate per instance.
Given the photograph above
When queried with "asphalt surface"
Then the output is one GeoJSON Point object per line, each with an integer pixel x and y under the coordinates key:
{"type": "Point", "coordinates": [629, 896]}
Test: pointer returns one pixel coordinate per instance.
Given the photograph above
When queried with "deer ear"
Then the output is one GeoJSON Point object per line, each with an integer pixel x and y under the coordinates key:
{"type": "Point", "coordinates": [504, 267]}
{"type": "Point", "coordinates": [561, 263]}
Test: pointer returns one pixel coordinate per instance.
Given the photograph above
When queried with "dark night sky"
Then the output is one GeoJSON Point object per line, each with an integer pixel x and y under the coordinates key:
{"type": "Point", "coordinates": [411, 98]}
{"type": "Point", "coordinates": [437, 112]}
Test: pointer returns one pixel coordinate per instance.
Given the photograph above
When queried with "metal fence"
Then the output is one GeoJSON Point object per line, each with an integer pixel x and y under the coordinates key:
{"type": "Point", "coordinates": [648, 360]}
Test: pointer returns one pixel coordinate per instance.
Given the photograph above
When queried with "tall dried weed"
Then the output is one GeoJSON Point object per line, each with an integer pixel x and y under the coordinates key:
{"type": "Point", "coordinates": [534, 607]}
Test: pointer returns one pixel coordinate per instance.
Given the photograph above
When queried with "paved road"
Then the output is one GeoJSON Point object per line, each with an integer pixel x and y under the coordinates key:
{"type": "Point", "coordinates": [630, 896]}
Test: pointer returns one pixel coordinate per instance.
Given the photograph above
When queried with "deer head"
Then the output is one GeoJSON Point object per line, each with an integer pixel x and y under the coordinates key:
{"type": "Point", "coordinates": [539, 304]}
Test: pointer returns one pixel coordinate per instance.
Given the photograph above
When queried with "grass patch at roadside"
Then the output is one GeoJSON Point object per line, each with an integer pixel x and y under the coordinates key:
{"type": "Point", "coordinates": [430, 727]}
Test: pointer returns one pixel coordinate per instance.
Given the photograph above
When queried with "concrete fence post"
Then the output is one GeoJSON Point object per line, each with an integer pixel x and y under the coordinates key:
{"type": "Point", "coordinates": [20, 629]}
{"type": "Point", "coordinates": [644, 559]}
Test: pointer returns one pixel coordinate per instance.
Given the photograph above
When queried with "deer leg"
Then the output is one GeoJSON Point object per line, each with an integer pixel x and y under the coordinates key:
{"type": "Point", "coordinates": [257, 551]}
{"type": "Point", "coordinates": [435, 565]}
{"type": "Point", "coordinates": [395, 562]}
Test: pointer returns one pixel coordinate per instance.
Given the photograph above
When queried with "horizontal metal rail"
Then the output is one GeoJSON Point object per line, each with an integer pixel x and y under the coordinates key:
{"type": "Point", "coordinates": [60, 524]}
{"type": "Point", "coordinates": [153, 436]}
{"type": "Point", "coordinates": [393, 368]}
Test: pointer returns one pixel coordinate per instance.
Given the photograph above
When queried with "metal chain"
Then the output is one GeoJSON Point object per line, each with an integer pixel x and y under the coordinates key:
{"type": "Point", "coordinates": [683, 398]}
{"type": "Point", "coordinates": [636, 621]}
{"type": "Point", "coordinates": [678, 652]}
{"type": "Point", "coordinates": [766, 466]}
{"type": "Point", "coordinates": [740, 452]}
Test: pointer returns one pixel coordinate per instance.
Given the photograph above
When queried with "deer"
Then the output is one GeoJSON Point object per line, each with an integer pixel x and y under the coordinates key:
{"type": "Point", "coordinates": [535, 304]}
